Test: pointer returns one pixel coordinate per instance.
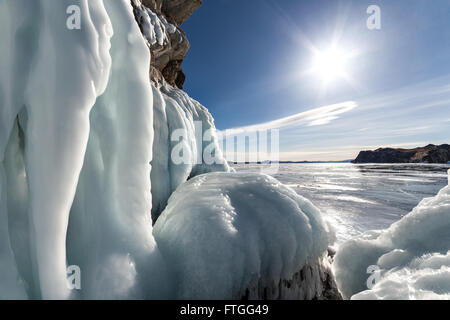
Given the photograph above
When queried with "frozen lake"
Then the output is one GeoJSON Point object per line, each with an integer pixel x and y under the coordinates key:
{"type": "Point", "coordinates": [361, 197]}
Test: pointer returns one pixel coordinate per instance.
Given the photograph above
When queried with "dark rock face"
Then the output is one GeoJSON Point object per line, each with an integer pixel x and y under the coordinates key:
{"type": "Point", "coordinates": [154, 5]}
{"type": "Point", "coordinates": [315, 281]}
{"type": "Point", "coordinates": [173, 73]}
{"type": "Point", "coordinates": [176, 11]}
{"type": "Point", "coordinates": [167, 53]}
{"type": "Point", "coordinates": [179, 10]}
{"type": "Point", "coordinates": [429, 154]}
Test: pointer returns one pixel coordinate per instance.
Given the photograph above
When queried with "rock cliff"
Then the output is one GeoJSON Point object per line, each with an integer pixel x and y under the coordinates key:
{"type": "Point", "coordinates": [428, 154]}
{"type": "Point", "coordinates": [159, 21]}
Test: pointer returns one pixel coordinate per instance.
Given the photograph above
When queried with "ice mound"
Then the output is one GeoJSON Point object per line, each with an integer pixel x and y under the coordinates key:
{"type": "Point", "coordinates": [411, 258]}
{"type": "Point", "coordinates": [155, 29]}
{"type": "Point", "coordinates": [225, 234]}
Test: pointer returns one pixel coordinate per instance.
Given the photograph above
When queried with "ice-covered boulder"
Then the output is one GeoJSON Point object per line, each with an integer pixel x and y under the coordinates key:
{"type": "Point", "coordinates": [239, 235]}
{"type": "Point", "coordinates": [409, 260]}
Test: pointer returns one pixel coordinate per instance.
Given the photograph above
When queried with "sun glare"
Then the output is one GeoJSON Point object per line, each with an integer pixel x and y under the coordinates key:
{"type": "Point", "coordinates": [330, 64]}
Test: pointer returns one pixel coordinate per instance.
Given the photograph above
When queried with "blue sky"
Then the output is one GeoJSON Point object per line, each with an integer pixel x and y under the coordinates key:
{"type": "Point", "coordinates": [249, 61]}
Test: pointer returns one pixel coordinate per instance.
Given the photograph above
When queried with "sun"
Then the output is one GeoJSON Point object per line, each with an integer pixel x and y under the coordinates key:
{"type": "Point", "coordinates": [330, 64]}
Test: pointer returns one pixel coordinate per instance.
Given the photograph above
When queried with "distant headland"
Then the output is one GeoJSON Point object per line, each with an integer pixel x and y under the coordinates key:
{"type": "Point", "coordinates": [428, 154]}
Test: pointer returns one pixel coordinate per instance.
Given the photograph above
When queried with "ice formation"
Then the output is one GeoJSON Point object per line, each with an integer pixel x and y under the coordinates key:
{"type": "Point", "coordinates": [411, 258]}
{"type": "Point", "coordinates": [156, 29]}
{"type": "Point", "coordinates": [182, 126]}
{"type": "Point", "coordinates": [235, 232]}
{"type": "Point", "coordinates": [110, 214]}
{"type": "Point", "coordinates": [42, 79]}
{"type": "Point", "coordinates": [86, 147]}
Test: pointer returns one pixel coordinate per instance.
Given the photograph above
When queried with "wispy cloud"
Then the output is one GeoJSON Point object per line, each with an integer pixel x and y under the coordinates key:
{"type": "Point", "coordinates": [315, 117]}
{"type": "Point", "coordinates": [412, 116]}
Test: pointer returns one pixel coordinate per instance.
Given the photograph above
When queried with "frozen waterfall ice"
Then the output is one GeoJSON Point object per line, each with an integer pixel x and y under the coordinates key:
{"type": "Point", "coordinates": [42, 77]}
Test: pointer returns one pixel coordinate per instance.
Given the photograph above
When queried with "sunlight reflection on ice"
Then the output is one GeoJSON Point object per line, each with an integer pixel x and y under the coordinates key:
{"type": "Point", "coordinates": [357, 198]}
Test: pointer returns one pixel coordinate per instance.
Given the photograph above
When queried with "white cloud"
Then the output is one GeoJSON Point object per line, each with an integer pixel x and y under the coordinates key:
{"type": "Point", "coordinates": [314, 117]}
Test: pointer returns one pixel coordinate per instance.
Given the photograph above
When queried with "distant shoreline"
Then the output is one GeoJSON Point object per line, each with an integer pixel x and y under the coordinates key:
{"type": "Point", "coordinates": [331, 162]}
{"type": "Point", "coordinates": [288, 162]}
{"type": "Point", "coordinates": [433, 154]}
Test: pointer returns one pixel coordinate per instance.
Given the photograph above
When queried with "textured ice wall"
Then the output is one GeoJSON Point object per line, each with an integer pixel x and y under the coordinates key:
{"type": "Point", "coordinates": [182, 127]}
{"type": "Point", "coordinates": [57, 118]}
{"type": "Point", "coordinates": [224, 233]}
{"type": "Point", "coordinates": [110, 232]}
{"type": "Point", "coordinates": [412, 256]}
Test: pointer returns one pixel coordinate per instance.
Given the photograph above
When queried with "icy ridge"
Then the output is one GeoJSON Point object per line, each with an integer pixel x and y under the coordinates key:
{"type": "Point", "coordinates": [182, 125]}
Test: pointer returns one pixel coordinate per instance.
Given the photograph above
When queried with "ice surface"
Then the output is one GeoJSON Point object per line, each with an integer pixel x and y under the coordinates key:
{"type": "Point", "coordinates": [360, 197]}
{"type": "Point", "coordinates": [412, 255]}
{"type": "Point", "coordinates": [221, 233]}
